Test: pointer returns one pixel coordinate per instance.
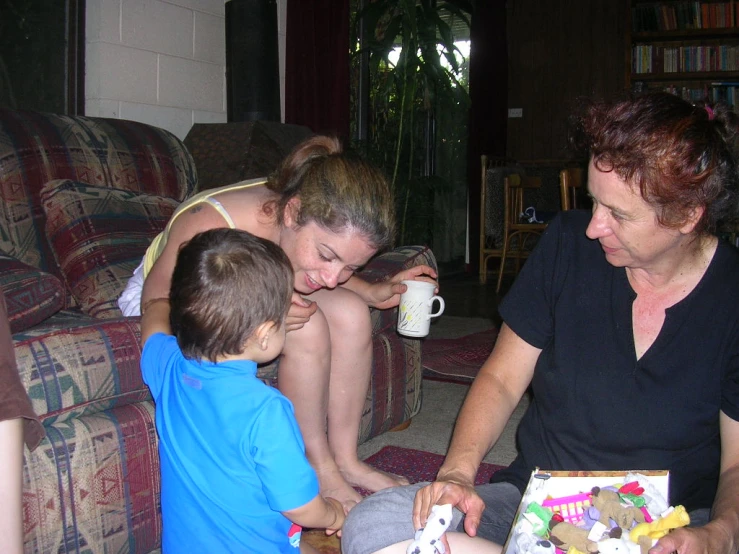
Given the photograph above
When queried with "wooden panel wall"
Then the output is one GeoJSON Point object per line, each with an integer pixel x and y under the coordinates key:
{"type": "Point", "coordinates": [559, 50]}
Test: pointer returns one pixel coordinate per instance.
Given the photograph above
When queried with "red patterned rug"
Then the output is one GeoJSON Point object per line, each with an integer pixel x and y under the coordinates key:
{"type": "Point", "coordinates": [457, 360]}
{"type": "Point", "coordinates": [417, 465]}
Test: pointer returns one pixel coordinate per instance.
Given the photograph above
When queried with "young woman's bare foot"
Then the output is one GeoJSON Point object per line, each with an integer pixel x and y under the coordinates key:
{"type": "Point", "coordinates": [334, 485]}
{"type": "Point", "coordinates": [367, 477]}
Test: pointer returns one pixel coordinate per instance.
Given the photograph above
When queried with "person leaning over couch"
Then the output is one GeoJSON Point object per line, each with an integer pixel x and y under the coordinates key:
{"type": "Point", "coordinates": [330, 212]}
{"type": "Point", "coordinates": [625, 323]}
{"type": "Point", "coordinates": [18, 423]}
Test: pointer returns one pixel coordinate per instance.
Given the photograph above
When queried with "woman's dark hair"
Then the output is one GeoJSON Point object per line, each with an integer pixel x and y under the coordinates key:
{"type": "Point", "coordinates": [680, 156]}
{"type": "Point", "coordinates": [226, 283]}
{"type": "Point", "coordinates": [337, 190]}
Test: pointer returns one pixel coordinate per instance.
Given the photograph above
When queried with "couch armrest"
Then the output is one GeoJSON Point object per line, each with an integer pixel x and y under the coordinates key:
{"type": "Point", "coordinates": [73, 366]}
{"type": "Point", "coordinates": [32, 295]}
{"type": "Point", "coordinates": [384, 266]}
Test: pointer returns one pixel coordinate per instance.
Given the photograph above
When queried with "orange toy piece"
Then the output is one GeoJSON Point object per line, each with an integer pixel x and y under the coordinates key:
{"type": "Point", "coordinates": [660, 527]}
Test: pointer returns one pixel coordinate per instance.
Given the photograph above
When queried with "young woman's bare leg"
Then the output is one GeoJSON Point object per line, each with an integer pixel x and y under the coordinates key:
{"type": "Point", "coordinates": [304, 378]}
{"type": "Point", "coordinates": [351, 362]}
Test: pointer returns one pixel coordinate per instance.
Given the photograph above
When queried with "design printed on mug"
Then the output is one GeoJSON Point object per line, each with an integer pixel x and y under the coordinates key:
{"type": "Point", "coordinates": [411, 312]}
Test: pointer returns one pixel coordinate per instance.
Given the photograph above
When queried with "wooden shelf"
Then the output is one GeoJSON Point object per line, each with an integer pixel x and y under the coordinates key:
{"type": "Point", "coordinates": [702, 48]}
{"type": "Point", "coordinates": [692, 76]}
{"type": "Point", "coordinates": [686, 34]}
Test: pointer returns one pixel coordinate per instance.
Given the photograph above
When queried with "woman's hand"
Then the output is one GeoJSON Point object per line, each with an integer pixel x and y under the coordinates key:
{"type": "Point", "coordinates": [339, 516]}
{"type": "Point", "coordinates": [462, 496]}
{"type": "Point", "coordinates": [386, 294]}
{"type": "Point", "coordinates": [695, 540]}
{"type": "Point", "coordinates": [299, 313]}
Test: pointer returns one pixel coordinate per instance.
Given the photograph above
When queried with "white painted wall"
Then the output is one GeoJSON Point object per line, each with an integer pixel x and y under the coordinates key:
{"type": "Point", "coordinates": [162, 62]}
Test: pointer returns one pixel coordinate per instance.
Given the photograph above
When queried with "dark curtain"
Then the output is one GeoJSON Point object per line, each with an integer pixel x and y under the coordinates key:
{"type": "Point", "coordinates": [489, 103]}
{"type": "Point", "coordinates": [317, 66]}
{"type": "Point", "coordinates": [42, 55]}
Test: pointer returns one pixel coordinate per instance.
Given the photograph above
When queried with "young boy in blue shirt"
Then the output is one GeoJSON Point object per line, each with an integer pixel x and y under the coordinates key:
{"type": "Point", "coordinates": [234, 473]}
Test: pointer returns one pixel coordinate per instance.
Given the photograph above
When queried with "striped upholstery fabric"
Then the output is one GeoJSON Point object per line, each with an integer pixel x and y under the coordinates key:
{"type": "Point", "coordinates": [98, 236]}
{"type": "Point", "coordinates": [81, 370]}
{"type": "Point", "coordinates": [36, 148]}
{"type": "Point", "coordinates": [93, 483]}
{"type": "Point", "coordinates": [31, 295]}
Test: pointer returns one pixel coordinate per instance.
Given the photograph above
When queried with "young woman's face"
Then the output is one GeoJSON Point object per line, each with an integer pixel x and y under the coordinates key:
{"type": "Point", "coordinates": [322, 258]}
{"type": "Point", "coordinates": [625, 224]}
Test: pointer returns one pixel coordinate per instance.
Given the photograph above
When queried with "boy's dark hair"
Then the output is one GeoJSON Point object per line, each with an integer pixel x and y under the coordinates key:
{"type": "Point", "coordinates": [226, 283]}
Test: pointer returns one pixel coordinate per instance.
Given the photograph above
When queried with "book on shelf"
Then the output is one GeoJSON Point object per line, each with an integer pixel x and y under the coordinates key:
{"type": "Point", "coordinates": [714, 92]}
{"type": "Point", "coordinates": [656, 58]}
{"type": "Point", "coordinates": [680, 16]}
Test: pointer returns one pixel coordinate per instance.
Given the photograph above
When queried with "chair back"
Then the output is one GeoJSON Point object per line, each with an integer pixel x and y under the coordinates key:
{"type": "Point", "coordinates": [515, 186]}
{"type": "Point", "coordinates": [491, 209]}
{"type": "Point", "coordinates": [570, 180]}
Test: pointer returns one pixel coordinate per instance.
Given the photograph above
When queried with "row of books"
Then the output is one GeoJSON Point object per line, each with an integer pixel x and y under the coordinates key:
{"type": "Point", "coordinates": [713, 93]}
{"type": "Point", "coordinates": [672, 16]}
{"type": "Point", "coordinates": [723, 91]}
{"type": "Point", "coordinates": [650, 58]}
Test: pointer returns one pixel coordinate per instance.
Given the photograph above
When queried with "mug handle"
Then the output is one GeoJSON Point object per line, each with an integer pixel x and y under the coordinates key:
{"type": "Point", "coordinates": [441, 306]}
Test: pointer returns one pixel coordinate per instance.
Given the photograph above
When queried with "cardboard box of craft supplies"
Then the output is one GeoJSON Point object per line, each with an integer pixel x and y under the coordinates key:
{"type": "Point", "coordinates": [554, 497]}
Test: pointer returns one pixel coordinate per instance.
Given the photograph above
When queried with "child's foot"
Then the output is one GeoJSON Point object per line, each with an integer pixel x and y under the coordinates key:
{"type": "Point", "coordinates": [367, 477]}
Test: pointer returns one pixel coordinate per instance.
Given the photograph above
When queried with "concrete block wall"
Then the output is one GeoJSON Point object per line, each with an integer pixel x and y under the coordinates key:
{"type": "Point", "coordinates": [161, 62]}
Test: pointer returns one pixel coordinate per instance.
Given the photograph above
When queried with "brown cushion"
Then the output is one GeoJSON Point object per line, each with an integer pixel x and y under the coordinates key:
{"type": "Point", "coordinates": [31, 295]}
{"type": "Point", "coordinates": [98, 236]}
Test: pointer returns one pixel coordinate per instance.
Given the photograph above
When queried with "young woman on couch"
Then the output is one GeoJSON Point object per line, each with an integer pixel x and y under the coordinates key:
{"type": "Point", "coordinates": [330, 212]}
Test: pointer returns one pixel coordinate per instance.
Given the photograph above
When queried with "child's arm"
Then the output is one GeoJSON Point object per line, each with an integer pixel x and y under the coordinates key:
{"type": "Point", "coordinates": [155, 318]}
{"type": "Point", "coordinates": [319, 513]}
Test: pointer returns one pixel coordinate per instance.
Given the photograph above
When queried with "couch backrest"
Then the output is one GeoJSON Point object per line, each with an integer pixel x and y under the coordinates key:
{"type": "Point", "coordinates": [38, 147]}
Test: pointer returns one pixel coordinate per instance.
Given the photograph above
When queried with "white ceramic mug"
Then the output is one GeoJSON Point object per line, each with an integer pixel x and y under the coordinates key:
{"type": "Point", "coordinates": [414, 312]}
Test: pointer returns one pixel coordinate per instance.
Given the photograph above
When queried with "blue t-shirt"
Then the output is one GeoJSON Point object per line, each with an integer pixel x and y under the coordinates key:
{"type": "Point", "coordinates": [232, 456]}
{"type": "Point", "coordinates": [595, 406]}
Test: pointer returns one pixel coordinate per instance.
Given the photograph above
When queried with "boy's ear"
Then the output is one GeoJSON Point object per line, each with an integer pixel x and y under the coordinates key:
{"type": "Point", "coordinates": [263, 333]}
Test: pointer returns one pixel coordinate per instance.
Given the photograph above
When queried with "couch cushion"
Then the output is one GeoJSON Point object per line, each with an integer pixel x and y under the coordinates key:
{"type": "Point", "coordinates": [36, 148]}
{"type": "Point", "coordinates": [31, 295]}
{"type": "Point", "coordinates": [98, 236]}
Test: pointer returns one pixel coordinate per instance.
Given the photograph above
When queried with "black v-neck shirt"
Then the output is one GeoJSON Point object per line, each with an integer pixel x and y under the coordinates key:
{"type": "Point", "coordinates": [594, 405]}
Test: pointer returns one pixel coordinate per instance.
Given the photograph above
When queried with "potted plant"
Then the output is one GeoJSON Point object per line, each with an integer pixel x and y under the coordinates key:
{"type": "Point", "coordinates": [413, 67]}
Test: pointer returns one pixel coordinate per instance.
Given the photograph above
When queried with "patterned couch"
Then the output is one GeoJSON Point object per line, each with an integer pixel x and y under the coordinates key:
{"type": "Point", "coordinates": [81, 199]}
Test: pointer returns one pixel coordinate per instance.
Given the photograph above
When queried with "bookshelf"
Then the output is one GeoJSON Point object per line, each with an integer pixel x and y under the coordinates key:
{"type": "Point", "coordinates": [688, 48]}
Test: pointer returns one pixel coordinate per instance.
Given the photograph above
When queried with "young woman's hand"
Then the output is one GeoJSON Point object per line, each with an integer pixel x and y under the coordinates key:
{"type": "Point", "coordinates": [386, 294]}
{"type": "Point", "coordinates": [340, 515]}
{"type": "Point", "coordinates": [299, 313]}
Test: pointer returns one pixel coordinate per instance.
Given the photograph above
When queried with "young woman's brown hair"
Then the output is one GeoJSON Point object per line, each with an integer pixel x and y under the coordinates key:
{"type": "Point", "coordinates": [337, 190]}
